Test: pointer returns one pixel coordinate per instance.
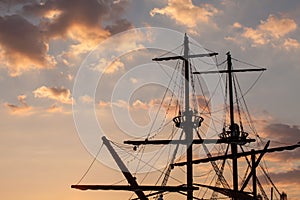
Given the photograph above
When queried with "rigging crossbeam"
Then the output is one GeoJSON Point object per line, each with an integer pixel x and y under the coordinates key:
{"type": "Point", "coordinates": [198, 141]}
{"type": "Point", "coordinates": [238, 155]}
{"type": "Point", "coordinates": [132, 188]}
{"type": "Point", "coordinates": [184, 57]}
{"type": "Point", "coordinates": [228, 192]}
{"type": "Point", "coordinates": [233, 70]}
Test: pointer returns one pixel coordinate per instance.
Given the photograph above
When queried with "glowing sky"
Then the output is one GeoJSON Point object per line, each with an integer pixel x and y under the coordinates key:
{"type": "Point", "coordinates": [43, 43]}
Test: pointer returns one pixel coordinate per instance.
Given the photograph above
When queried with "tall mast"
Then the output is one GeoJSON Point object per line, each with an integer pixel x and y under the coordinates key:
{"type": "Point", "coordinates": [188, 129]}
{"type": "Point", "coordinates": [233, 127]}
{"type": "Point", "coordinates": [186, 121]}
{"type": "Point", "coordinates": [186, 73]}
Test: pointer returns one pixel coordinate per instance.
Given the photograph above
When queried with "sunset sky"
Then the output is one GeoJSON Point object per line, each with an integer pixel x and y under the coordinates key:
{"type": "Point", "coordinates": [45, 43]}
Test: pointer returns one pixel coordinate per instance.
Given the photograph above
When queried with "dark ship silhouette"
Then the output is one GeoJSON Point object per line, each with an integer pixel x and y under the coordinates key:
{"type": "Point", "coordinates": [233, 140]}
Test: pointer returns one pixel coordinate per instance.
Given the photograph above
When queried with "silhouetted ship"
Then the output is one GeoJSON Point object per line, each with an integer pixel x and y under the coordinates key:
{"type": "Point", "coordinates": [230, 167]}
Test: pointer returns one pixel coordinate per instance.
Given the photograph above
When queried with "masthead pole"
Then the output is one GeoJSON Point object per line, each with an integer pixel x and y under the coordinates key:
{"type": "Point", "coordinates": [233, 127]}
{"type": "Point", "coordinates": [188, 123]}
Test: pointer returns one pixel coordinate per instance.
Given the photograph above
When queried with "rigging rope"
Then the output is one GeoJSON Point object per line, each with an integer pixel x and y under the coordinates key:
{"type": "Point", "coordinates": [171, 51]}
{"type": "Point", "coordinates": [247, 63]}
{"type": "Point", "coordinates": [214, 195]}
{"type": "Point", "coordinates": [237, 102]}
{"type": "Point", "coordinates": [90, 166]}
{"type": "Point", "coordinates": [167, 174]}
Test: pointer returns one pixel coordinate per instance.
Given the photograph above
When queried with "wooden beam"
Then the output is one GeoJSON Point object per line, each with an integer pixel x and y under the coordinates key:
{"type": "Point", "coordinates": [228, 192]}
{"type": "Point", "coordinates": [198, 141]}
{"type": "Point", "coordinates": [131, 188]}
{"type": "Point", "coordinates": [255, 164]}
{"type": "Point", "coordinates": [233, 70]}
{"type": "Point", "coordinates": [184, 57]}
{"type": "Point", "coordinates": [230, 156]}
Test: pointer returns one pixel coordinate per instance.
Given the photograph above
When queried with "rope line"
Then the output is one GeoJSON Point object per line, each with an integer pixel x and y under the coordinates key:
{"type": "Point", "coordinates": [90, 166]}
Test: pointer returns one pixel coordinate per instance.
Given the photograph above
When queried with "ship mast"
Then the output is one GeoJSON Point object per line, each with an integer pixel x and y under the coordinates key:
{"type": "Point", "coordinates": [235, 134]}
{"type": "Point", "coordinates": [186, 121]}
{"type": "Point", "coordinates": [188, 117]}
{"type": "Point", "coordinates": [233, 126]}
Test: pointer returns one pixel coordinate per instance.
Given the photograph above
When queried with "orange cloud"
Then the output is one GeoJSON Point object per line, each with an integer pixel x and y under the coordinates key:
{"type": "Point", "coordinates": [24, 45]}
{"type": "Point", "coordinates": [58, 109]}
{"type": "Point", "coordinates": [104, 104]}
{"type": "Point", "coordinates": [277, 27]}
{"type": "Point", "coordinates": [257, 36]}
{"type": "Point", "coordinates": [272, 28]}
{"type": "Point", "coordinates": [80, 21]}
{"type": "Point", "coordinates": [62, 95]}
{"type": "Point", "coordinates": [86, 99]}
{"type": "Point", "coordinates": [146, 105]}
{"type": "Point", "coordinates": [55, 109]}
{"type": "Point", "coordinates": [22, 109]}
{"type": "Point", "coordinates": [138, 104]}
{"type": "Point", "coordinates": [85, 38]}
{"type": "Point", "coordinates": [290, 43]}
{"type": "Point", "coordinates": [237, 25]}
{"type": "Point", "coordinates": [186, 13]}
{"type": "Point", "coordinates": [109, 68]}
{"type": "Point", "coordinates": [273, 31]}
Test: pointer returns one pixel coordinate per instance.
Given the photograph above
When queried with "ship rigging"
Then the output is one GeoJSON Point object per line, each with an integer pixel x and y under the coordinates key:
{"type": "Point", "coordinates": [232, 143]}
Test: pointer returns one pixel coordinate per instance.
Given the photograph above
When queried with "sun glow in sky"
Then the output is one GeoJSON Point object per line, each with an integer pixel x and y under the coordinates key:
{"type": "Point", "coordinates": [44, 43]}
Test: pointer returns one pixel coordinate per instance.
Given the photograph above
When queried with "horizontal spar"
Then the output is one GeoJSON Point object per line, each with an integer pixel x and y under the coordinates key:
{"type": "Point", "coordinates": [230, 156]}
{"type": "Point", "coordinates": [229, 192]}
{"type": "Point", "coordinates": [130, 188]}
{"type": "Point", "coordinates": [233, 70]}
{"type": "Point", "coordinates": [183, 57]}
{"type": "Point", "coordinates": [198, 141]}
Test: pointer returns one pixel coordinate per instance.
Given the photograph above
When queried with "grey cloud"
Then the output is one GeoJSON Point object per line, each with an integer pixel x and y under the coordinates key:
{"type": "Point", "coordinates": [285, 135]}
{"type": "Point", "coordinates": [291, 176]}
{"type": "Point", "coordinates": [119, 26]}
{"type": "Point", "coordinates": [26, 34]}
{"type": "Point", "coordinates": [19, 35]}
{"type": "Point", "coordinates": [89, 13]}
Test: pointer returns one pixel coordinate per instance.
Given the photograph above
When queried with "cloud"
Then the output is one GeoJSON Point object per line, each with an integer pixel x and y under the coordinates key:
{"type": "Point", "coordinates": [284, 135]}
{"type": "Point", "coordinates": [237, 25]}
{"type": "Point", "coordinates": [273, 31]}
{"type": "Point", "coordinates": [86, 99]}
{"type": "Point", "coordinates": [80, 21]}
{"type": "Point", "coordinates": [186, 13]}
{"type": "Point", "coordinates": [62, 95]}
{"type": "Point", "coordinates": [55, 109]}
{"type": "Point", "coordinates": [277, 27]}
{"type": "Point", "coordinates": [119, 26]}
{"type": "Point", "coordinates": [104, 104]}
{"type": "Point", "coordinates": [22, 109]}
{"type": "Point", "coordinates": [257, 36]}
{"type": "Point", "coordinates": [79, 24]}
{"type": "Point", "coordinates": [23, 46]}
{"type": "Point", "coordinates": [291, 44]}
{"type": "Point", "coordinates": [58, 109]}
{"type": "Point", "coordinates": [169, 104]}
{"type": "Point", "coordinates": [139, 105]}
{"type": "Point", "coordinates": [108, 67]}
{"type": "Point", "coordinates": [133, 80]}
{"type": "Point", "coordinates": [289, 177]}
